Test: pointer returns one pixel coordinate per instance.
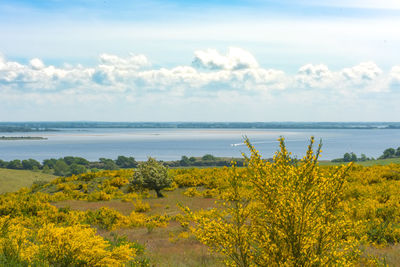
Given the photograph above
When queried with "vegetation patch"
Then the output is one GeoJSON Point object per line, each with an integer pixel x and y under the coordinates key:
{"type": "Point", "coordinates": [356, 209]}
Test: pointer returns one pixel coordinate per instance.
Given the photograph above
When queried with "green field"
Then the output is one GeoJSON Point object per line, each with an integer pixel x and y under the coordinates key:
{"type": "Point", "coordinates": [364, 163]}
{"type": "Point", "coordinates": [12, 180]}
{"type": "Point", "coordinates": [380, 162]}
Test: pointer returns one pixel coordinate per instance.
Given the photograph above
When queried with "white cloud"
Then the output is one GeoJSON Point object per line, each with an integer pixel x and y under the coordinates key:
{"type": "Point", "coordinates": [363, 73]}
{"type": "Point", "coordinates": [235, 59]}
{"type": "Point", "coordinates": [36, 64]}
{"type": "Point", "coordinates": [238, 73]}
{"type": "Point", "coordinates": [395, 76]}
{"type": "Point", "coordinates": [132, 62]}
{"type": "Point", "coordinates": [314, 76]}
{"type": "Point", "coordinates": [2, 61]}
{"type": "Point", "coordinates": [362, 78]}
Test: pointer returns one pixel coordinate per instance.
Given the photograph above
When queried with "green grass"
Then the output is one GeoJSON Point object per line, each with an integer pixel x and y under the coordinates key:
{"type": "Point", "coordinates": [380, 162]}
{"type": "Point", "coordinates": [364, 163]}
{"type": "Point", "coordinates": [12, 180]}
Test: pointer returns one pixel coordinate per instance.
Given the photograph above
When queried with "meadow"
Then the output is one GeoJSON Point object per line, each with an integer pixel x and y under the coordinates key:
{"type": "Point", "coordinates": [121, 224]}
{"type": "Point", "coordinates": [12, 180]}
{"type": "Point", "coordinates": [365, 163]}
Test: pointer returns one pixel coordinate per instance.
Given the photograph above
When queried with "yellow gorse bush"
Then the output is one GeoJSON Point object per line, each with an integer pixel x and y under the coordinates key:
{"type": "Point", "coordinates": [15, 240]}
{"type": "Point", "coordinates": [63, 245]}
{"type": "Point", "coordinates": [284, 213]}
{"type": "Point", "coordinates": [75, 245]}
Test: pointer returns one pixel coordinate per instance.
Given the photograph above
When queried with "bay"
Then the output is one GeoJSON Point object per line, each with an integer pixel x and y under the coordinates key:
{"type": "Point", "coordinates": [171, 144]}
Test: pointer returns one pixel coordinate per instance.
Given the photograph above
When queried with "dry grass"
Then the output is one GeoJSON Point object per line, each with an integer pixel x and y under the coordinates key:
{"type": "Point", "coordinates": [163, 251]}
{"type": "Point", "coordinates": [387, 256]}
{"type": "Point", "coordinates": [160, 248]}
{"type": "Point", "coordinates": [124, 207]}
{"type": "Point", "coordinates": [167, 205]}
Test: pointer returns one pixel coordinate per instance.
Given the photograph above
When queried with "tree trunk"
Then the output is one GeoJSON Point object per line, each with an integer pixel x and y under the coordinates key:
{"type": "Point", "coordinates": [158, 191]}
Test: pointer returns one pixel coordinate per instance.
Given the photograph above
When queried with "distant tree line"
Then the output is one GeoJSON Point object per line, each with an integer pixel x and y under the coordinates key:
{"type": "Point", "coordinates": [390, 153]}
{"type": "Point", "coordinates": [69, 165]}
{"type": "Point", "coordinates": [352, 157]}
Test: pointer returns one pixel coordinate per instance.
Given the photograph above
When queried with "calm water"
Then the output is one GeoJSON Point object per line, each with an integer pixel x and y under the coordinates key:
{"type": "Point", "coordinates": [171, 144]}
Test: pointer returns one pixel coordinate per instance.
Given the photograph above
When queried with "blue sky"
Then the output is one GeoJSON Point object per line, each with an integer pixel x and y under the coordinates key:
{"type": "Point", "coordinates": [252, 60]}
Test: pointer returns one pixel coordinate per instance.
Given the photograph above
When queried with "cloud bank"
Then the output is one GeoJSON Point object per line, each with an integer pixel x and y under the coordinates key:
{"type": "Point", "coordinates": [210, 72]}
{"type": "Point", "coordinates": [212, 78]}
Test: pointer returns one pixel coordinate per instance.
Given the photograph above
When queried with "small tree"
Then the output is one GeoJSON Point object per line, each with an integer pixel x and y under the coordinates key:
{"type": "Point", "coordinates": [30, 164]}
{"type": "Point", "coordinates": [152, 175]}
{"type": "Point", "coordinates": [51, 163]}
{"type": "Point", "coordinates": [363, 157]}
{"type": "Point", "coordinates": [61, 168]}
{"type": "Point", "coordinates": [15, 164]}
{"type": "Point", "coordinates": [347, 157]}
{"type": "Point", "coordinates": [125, 162]}
{"type": "Point", "coordinates": [77, 168]}
{"type": "Point", "coordinates": [208, 157]}
{"type": "Point", "coordinates": [184, 161]}
{"type": "Point", "coordinates": [388, 153]}
{"type": "Point", "coordinates": [108, 164]}
{"type": "Point", "coordinates": [46, 169]}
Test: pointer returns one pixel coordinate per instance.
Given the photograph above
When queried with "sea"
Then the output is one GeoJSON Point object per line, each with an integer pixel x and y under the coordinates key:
{"type": "Point", "coordinates": [171, 144]}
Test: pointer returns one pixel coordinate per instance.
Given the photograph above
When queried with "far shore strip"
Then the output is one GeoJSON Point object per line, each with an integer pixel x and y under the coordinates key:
{"type": "Point", "coordinates": [12, 138]}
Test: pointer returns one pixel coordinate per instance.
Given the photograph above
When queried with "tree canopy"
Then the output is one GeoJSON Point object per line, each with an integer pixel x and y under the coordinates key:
{"type": "Point", "coordinates": [152, 175]}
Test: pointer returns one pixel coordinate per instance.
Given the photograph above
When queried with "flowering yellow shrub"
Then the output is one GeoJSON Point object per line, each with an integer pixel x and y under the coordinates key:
{"type": "Point", "coordinates": [112, 174]}
{"type": "Point", "coordinates": [156, 221]}
{"type": "Point", "coordinates": [373, 201]}
{"type": "Point", "coordinates": [172, 187]}
{"type": "Point", "coordinates": [279, 214]}
{"type": "Point", "coordinates": [107, 218]}
{"type": "Point", "coordinates": [208, 177]}
{"type": "Point", "coordinates": [64, 246]}
{"type": "Point", "coordinates": [99, 196]}
{"type": "Point", "coordinates": [141, 206]}
{"type": "Point", "coordinates": [136, 219]}
{"type": "Point", "coordinates": [210, 193]}
{"type": "Point", "coordinates": [192, 192]}
{"type": "Point", "coordinates": [129, 197]}
{"type": "Point", "coordinates": [119, 182]}
{"type": "Point", "coordinates": [59, 245]}
{"type": "Point", "coordinates": [15, 241]}
{"type": "Point", "coordinates": [88, 185]}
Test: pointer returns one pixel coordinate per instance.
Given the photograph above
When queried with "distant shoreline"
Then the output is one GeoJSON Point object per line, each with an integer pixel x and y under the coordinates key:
{"type": "Point", "coordinates": [57, 126]}
{"type": "Point", "coordinates": [15, 138]}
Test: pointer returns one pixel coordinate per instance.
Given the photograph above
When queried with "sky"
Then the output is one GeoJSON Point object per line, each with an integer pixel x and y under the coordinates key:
{"type": "Point", "coordinates": [183, 60]}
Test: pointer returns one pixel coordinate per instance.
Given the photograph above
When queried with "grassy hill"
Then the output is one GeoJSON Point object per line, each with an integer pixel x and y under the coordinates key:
{"type": "Point", "coordinates": [12, 180]}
